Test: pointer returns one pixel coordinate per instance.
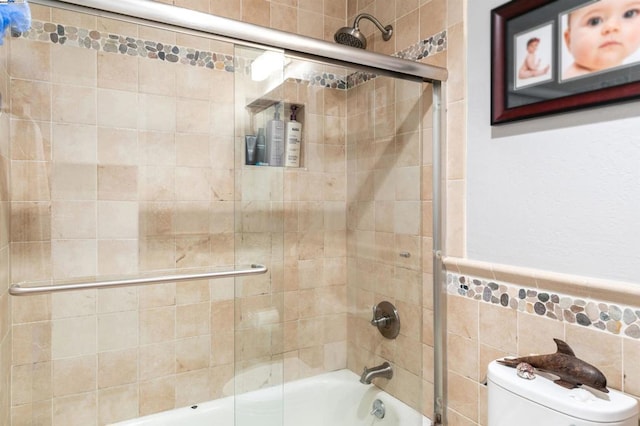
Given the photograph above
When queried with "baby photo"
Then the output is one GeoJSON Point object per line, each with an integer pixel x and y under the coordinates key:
{"type": "Point", "coordinates": [603, 35]}
{"type": "Point", "coordinates": [533, 56]}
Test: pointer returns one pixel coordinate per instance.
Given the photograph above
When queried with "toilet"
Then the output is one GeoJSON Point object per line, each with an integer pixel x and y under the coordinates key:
{"type": "Point", "coordinates": [514, 401]}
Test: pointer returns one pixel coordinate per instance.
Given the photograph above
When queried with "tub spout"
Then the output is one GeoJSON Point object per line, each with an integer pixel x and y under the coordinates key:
{"type": "Point", "coordinates": [382, 370]}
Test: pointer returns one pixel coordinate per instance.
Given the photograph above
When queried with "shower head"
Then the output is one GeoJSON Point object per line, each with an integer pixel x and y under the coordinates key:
{"type": "Point", "coordinates": [351, 36]}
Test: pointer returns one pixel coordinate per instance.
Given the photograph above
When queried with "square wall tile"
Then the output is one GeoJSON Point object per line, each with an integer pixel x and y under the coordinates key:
{"type": "Point", "coordinates": [157, 360]}
{"type": "Point", "coordinates": [73, 104]}
{"type": "Point", "coordinates": [118, 183]}
{"type": "Point", "coordinates": [71, 181]}
{"type": "Point", "coordinates": [110, 111]}
{"type": "Point", "coordinates": [31, 343]}
{"type": "Point", "coordinates": [24, 54]}
{"type": "Point", "coordinates": [117, 220]}
{"type": "Point", "coordinates": [117, 368]}
{"type": "Point", "coordinates": [35, 413]}
{"type": "Point", "coordinates": [30, 140]}
{"type": "Point", "coordinates": [30, 221]}
{"type": "Point", "coordinates": [31, 181]}
{"type": "Point", "coordinates": [31, 383]}
{"type": "Point", "coordinates": [75, 409]}
{"type": "Point", "coordinates": [157, 325]}
{"type": "Point", "coordinates": [73, 337]}
{"type": "Point", "coordinates": [119, 257]}
{"type": "Point", "coordinates": [73, 219]}
{"type": "Point", "coordinates": [498, 327]}
{"type": "Point", "coordinates": [73, 66]}
{"type": "Point", "coordinates": [117, 72]}
{"type": "Point", "coordinates": [74, 375]}
{"type": "Point", "coordinates": [156, 113]}
{"type": "Point", "coordinates": [157, 395]}
{"type": "Point", "coordinates": [463, 315]}
{"type": "Point", "coordinates": [118, 331]}
{"type": "Point", "coordinates": [117, 146]}
{"type": "Point", "coordinates": [74, 258]}
{"type": "Point", "coordinates": [193, 354]}
{"type": "Point", "coordinates": [73, 304]}
{"type": "Point", "coordinates": [117, 404]}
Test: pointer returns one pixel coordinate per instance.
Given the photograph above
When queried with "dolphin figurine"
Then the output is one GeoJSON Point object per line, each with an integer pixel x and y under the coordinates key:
{"type": "Point", "coordinates": [564, 364]}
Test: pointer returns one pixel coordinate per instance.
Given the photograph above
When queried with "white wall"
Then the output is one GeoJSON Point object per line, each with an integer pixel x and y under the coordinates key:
{"type": "Point", "coordinates": [560, 193]}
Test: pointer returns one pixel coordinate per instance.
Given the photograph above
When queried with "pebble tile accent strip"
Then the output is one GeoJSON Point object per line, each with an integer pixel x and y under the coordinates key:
{"type": "Point", "coordinates": [115, 43]}
{"type": "Point", "coordinates": [125, 45]}
{"type": "Point", "coordinates": [614, 319]}
{"type": "Point", "coordinates": [329, 80]}
{"type": "Point", "coordinates": [427, 47]}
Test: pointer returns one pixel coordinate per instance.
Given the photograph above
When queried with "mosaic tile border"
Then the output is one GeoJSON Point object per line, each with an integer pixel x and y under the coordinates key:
{"type": "Point", "coordinates": [126, 45]}
{"type": "Point", "coordinates": [427, 47]}
{"type": "Point", "coordinates": [132, 46]}
{"type": "Point", "coordinates": [612, 318]}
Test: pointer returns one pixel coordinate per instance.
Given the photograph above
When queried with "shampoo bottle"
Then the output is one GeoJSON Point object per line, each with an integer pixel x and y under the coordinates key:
{"type": "Point", "coordinates": [261, 148]}
{"type": "Point", "coordinates": [250, 149]}
{"type": "Point", "coordinates": [275, 139]}
{"type": "Point", "coordinates": [294, 138]}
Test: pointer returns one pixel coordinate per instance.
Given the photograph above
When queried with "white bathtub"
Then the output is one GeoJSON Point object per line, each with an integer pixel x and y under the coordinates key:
{"type": "Point", "coordinates": [331, 399]}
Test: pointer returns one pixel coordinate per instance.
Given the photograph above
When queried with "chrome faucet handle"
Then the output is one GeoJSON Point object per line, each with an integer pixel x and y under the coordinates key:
{"type": "Point", "coordinates": [380, 321]}
{"type": "Point", "coordinates": [386, 319]}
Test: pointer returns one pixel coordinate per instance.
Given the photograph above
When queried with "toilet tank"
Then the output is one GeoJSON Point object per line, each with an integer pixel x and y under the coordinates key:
{"type": "Point", "coordinates": [516, 401]}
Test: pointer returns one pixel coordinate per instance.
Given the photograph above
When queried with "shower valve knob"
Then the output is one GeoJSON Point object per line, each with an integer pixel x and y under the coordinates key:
{"type": "Point", "coordinates": [386, 319]}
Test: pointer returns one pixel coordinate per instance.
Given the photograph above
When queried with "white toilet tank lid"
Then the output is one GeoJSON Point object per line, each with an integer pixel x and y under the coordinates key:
{"type": "Point", "coordinates": [582, 403]}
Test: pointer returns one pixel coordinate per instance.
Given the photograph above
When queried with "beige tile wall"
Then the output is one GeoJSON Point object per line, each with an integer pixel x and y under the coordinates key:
{"type": "Point", "coordinates": [478, 332]}
{"type": "Point", "coordinates": [5, 233]}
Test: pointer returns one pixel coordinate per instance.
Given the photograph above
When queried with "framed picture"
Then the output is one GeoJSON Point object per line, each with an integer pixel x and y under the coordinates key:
{"type": "Point", "coordinates": [551, 56]}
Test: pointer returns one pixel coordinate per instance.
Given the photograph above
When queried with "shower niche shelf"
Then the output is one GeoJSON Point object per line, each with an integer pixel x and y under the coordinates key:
{"type": "Point", "coordinates": [261, 110]}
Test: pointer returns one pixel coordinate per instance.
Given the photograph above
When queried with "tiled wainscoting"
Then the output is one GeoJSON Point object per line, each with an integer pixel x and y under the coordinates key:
{"type": "Point", "coordinates": [495, 310]}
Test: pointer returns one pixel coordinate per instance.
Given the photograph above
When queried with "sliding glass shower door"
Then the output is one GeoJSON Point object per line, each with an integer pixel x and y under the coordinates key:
{"type": "Point", "coordinates": [138, 149]}
{"type": "Point", "coordinates": [351, 212]}
{"type": "Point", "coordinates": [123, 164]}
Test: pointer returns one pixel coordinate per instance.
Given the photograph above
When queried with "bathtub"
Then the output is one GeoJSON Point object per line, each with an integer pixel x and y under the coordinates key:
{"type": "Point", "coordinates": [331, 399]}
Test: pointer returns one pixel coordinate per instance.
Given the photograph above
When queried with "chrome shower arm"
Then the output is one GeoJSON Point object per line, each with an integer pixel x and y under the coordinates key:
{"type": "Point", "coordinates": [386, 31]}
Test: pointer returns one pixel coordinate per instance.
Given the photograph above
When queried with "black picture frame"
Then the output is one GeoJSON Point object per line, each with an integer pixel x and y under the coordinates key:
{"type": "Point", "coordinates": [519, 21]}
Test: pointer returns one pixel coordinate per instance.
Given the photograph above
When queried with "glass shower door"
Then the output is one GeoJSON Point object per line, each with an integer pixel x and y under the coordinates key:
{"type": "Point", "coordinates": [389, 231]}
{"type": "Point", "coordinates": [352, 223]}
{"type": "Point", "coordinates": [122, 163]}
